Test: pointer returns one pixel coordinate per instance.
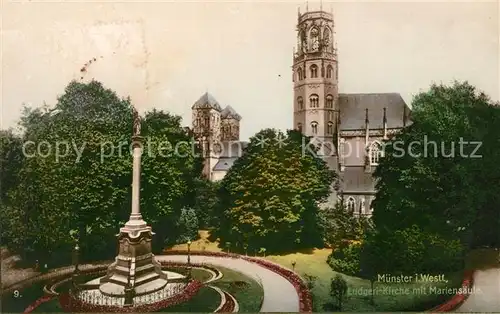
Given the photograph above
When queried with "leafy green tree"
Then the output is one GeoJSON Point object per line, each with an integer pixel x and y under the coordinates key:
{"type": "Point", "coordinates": [78, 185]}
{"type": "Point", "coordinates": [206, 202]}
{"type": "Point", "coordinates": [437, 173]}
{"type": "Point", "coordinates": [11, 160]}
{"type": "Point", "coordinates": [270, 197]}
{"type": "Point", "coordinates": [172, 168]}
{"type": "Point", "coordinates": [187, 225]}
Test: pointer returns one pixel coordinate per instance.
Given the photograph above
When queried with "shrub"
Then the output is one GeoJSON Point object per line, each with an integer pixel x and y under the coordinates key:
{"type": "Point", "coordinates": [338, 291]}
{"type": "Point", "coordinates": [345, 259]}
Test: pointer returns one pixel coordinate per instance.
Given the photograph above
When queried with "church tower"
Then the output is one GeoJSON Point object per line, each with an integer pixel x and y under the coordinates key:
{"type": "Point", "coordinates": [315, 77]}
{"type": "Point", "coordinates": [206, 130]}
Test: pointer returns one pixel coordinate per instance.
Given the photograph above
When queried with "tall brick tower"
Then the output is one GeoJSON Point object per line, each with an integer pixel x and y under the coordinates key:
{"type": "Point", "coordinates": [315, 77]}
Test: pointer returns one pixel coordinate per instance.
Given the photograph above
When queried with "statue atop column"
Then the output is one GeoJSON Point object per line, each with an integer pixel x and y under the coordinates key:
{"type": "Point", "coordinates": [137, 122]}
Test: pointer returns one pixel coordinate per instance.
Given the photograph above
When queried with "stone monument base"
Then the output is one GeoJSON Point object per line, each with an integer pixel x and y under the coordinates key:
{"type": "Point", "coordinates": [135, 265]}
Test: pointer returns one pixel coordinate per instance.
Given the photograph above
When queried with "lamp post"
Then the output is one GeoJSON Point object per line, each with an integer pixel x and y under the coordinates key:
{"type": "Point", "coordinates": [189, 258]}
{"type": "Point", "coordinates": [293, 265]}
{"type": "Point", "coordinates": [74, 277]}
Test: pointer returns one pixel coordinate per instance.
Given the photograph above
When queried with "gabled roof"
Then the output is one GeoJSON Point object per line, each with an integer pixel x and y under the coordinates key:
{"type": "Point", "coordinates": [230, 113]}
{"type": "Point", "coordinates": [207, 101]}
{"type": "Point", "coordinates": [353, 110]}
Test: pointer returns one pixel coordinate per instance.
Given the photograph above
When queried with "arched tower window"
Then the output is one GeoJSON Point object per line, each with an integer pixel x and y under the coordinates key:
{"type": "Point", "coordinates": [314, 101]}
{"type": "Point", "coordinates": [327, 41]}
{"type": "Point", "coordinates": [207, 121]}
{"type": "Point", "coordinates": [314, 35]}
{"type": "Point", "coordinates": [375, 152]}
{"type": "Point", "coordinates": [351, 204]}
{"type": "Point", "coordinates": [299, 127]}
{"type": "Point", "coordinates": [314, 127]}
{"type": "Point", "coordinates": [299, 74]}
{"type": "Point", "coordinates": [329, 71]}
{"type": "Point", "coordinates": [329, 128]}
{"type": "Point", "coordinates": [329, 101]}
{"type": "Point", "coordinates": [300, 103]}
{"type": "Point", "coordinates": [314, 71]}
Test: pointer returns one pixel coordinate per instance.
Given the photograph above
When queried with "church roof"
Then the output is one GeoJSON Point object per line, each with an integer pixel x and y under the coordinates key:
{"type": "Point", "coordinates": [224, 164]}
{"type": "Point", "coordinates": [230, 113]}
{"type": "Point", "coordinates": [353, 110]}
{"type": "Point", "coordinates": [355, 179]}
{"type": "Point", "coordinates": [207, 101]}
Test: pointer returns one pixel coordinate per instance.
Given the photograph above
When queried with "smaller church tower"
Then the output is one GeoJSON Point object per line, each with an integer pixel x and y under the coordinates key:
{"type": "Point", "coordinates": [206, 129]}
{"type": "Point", "coordinates": [230, 125]}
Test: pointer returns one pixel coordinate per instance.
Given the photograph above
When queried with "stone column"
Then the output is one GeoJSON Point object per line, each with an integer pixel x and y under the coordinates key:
{"type": "Point", "coordinates": [135, 216]}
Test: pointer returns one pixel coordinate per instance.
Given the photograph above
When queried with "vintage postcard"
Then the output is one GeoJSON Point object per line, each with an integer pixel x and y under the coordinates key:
{"type": "Point", "coordinates": [249, 156]}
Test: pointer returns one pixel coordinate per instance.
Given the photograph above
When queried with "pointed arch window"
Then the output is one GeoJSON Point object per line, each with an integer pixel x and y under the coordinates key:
{"type": "Point", "coordinates": [329, 128]}
{"type": "Point", "coordinates": [314, 101]}
{"type": "Point", "coordinates": [329, 71]}
{"type": "Point", "coordinates": [351, 204]}
{"type": "Point", "coordinates": [300, 103]}
{"type": "Point", "coordinates": [207, 121]}
{"type": "Point", "coordinates": [314, 71]}
{"type": "Point", "coordinates": [375, 153]}
{"type": "Point", "coordinates": [299, 127]}
{"type": "Point", "coordinates": [314, 127]}
{"type": "Point", "coordinates": [329, 101]}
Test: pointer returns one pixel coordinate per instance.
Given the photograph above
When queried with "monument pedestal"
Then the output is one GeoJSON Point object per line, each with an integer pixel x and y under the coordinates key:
{"type": "Point", "coordinates": [135, 266]}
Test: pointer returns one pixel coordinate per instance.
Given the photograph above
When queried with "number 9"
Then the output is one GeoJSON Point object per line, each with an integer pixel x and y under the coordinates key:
{"type": "Point", "coordinates": [16, 293]}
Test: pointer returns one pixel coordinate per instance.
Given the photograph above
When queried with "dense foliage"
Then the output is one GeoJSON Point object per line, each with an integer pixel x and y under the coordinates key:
{"type": "Point", "coordinates": [437, 190]}
{"type": "Point", "coordinates": [269, 198]}
{"type": "Point", "coordinates": [75, 179]}
{"type": "Point", "coordinates": [345, 258]}
{"type": "Point", "coordinates": [339, 224]}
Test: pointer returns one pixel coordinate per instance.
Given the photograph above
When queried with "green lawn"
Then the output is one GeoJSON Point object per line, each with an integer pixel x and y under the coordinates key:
{"type": "Point", "coordinates": [206, 300]}
{"type": "Point", "coordinates": [196, 273]}
{"type": "Point", "coordinates": [314, 263]}
{"type": "Point", "coordinates": [247, 292]}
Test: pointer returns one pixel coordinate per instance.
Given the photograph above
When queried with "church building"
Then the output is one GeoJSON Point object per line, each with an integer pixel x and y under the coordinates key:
{"type": "Point", "coordinates": [348, 128]}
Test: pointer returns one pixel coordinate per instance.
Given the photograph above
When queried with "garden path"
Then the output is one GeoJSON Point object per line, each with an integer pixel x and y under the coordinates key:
{"type": "Point", "coordinates": [485, 297]}
{"type": "Point", "coordinates": [279, 293]}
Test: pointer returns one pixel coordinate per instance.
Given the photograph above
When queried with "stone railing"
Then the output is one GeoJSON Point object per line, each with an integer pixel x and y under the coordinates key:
{"type": "Point", "coordinates": [71, 304]}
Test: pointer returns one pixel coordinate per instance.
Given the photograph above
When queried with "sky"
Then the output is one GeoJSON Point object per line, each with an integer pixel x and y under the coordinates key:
{"type": "Point", "coordinates": [165, 55]}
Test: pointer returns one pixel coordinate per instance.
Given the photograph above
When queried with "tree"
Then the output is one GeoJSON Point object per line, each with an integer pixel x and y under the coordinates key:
{"type": "Point", "coordinates": [79, 184]}
{"type": "Point", "coordinates": [172, 168]}
{"type": "Point", "coordinates": [188, 226]}
{"type": "Point", "coordinates": [270, 197]}
{"type": "Point", "coordinates": [11, 159]}
{"type": "Point", "coordinates": [206, 202]}
{"type": "Point", "coordinates": [338, 291]}
{"type": "Point", "coordinates": [452, 126]}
